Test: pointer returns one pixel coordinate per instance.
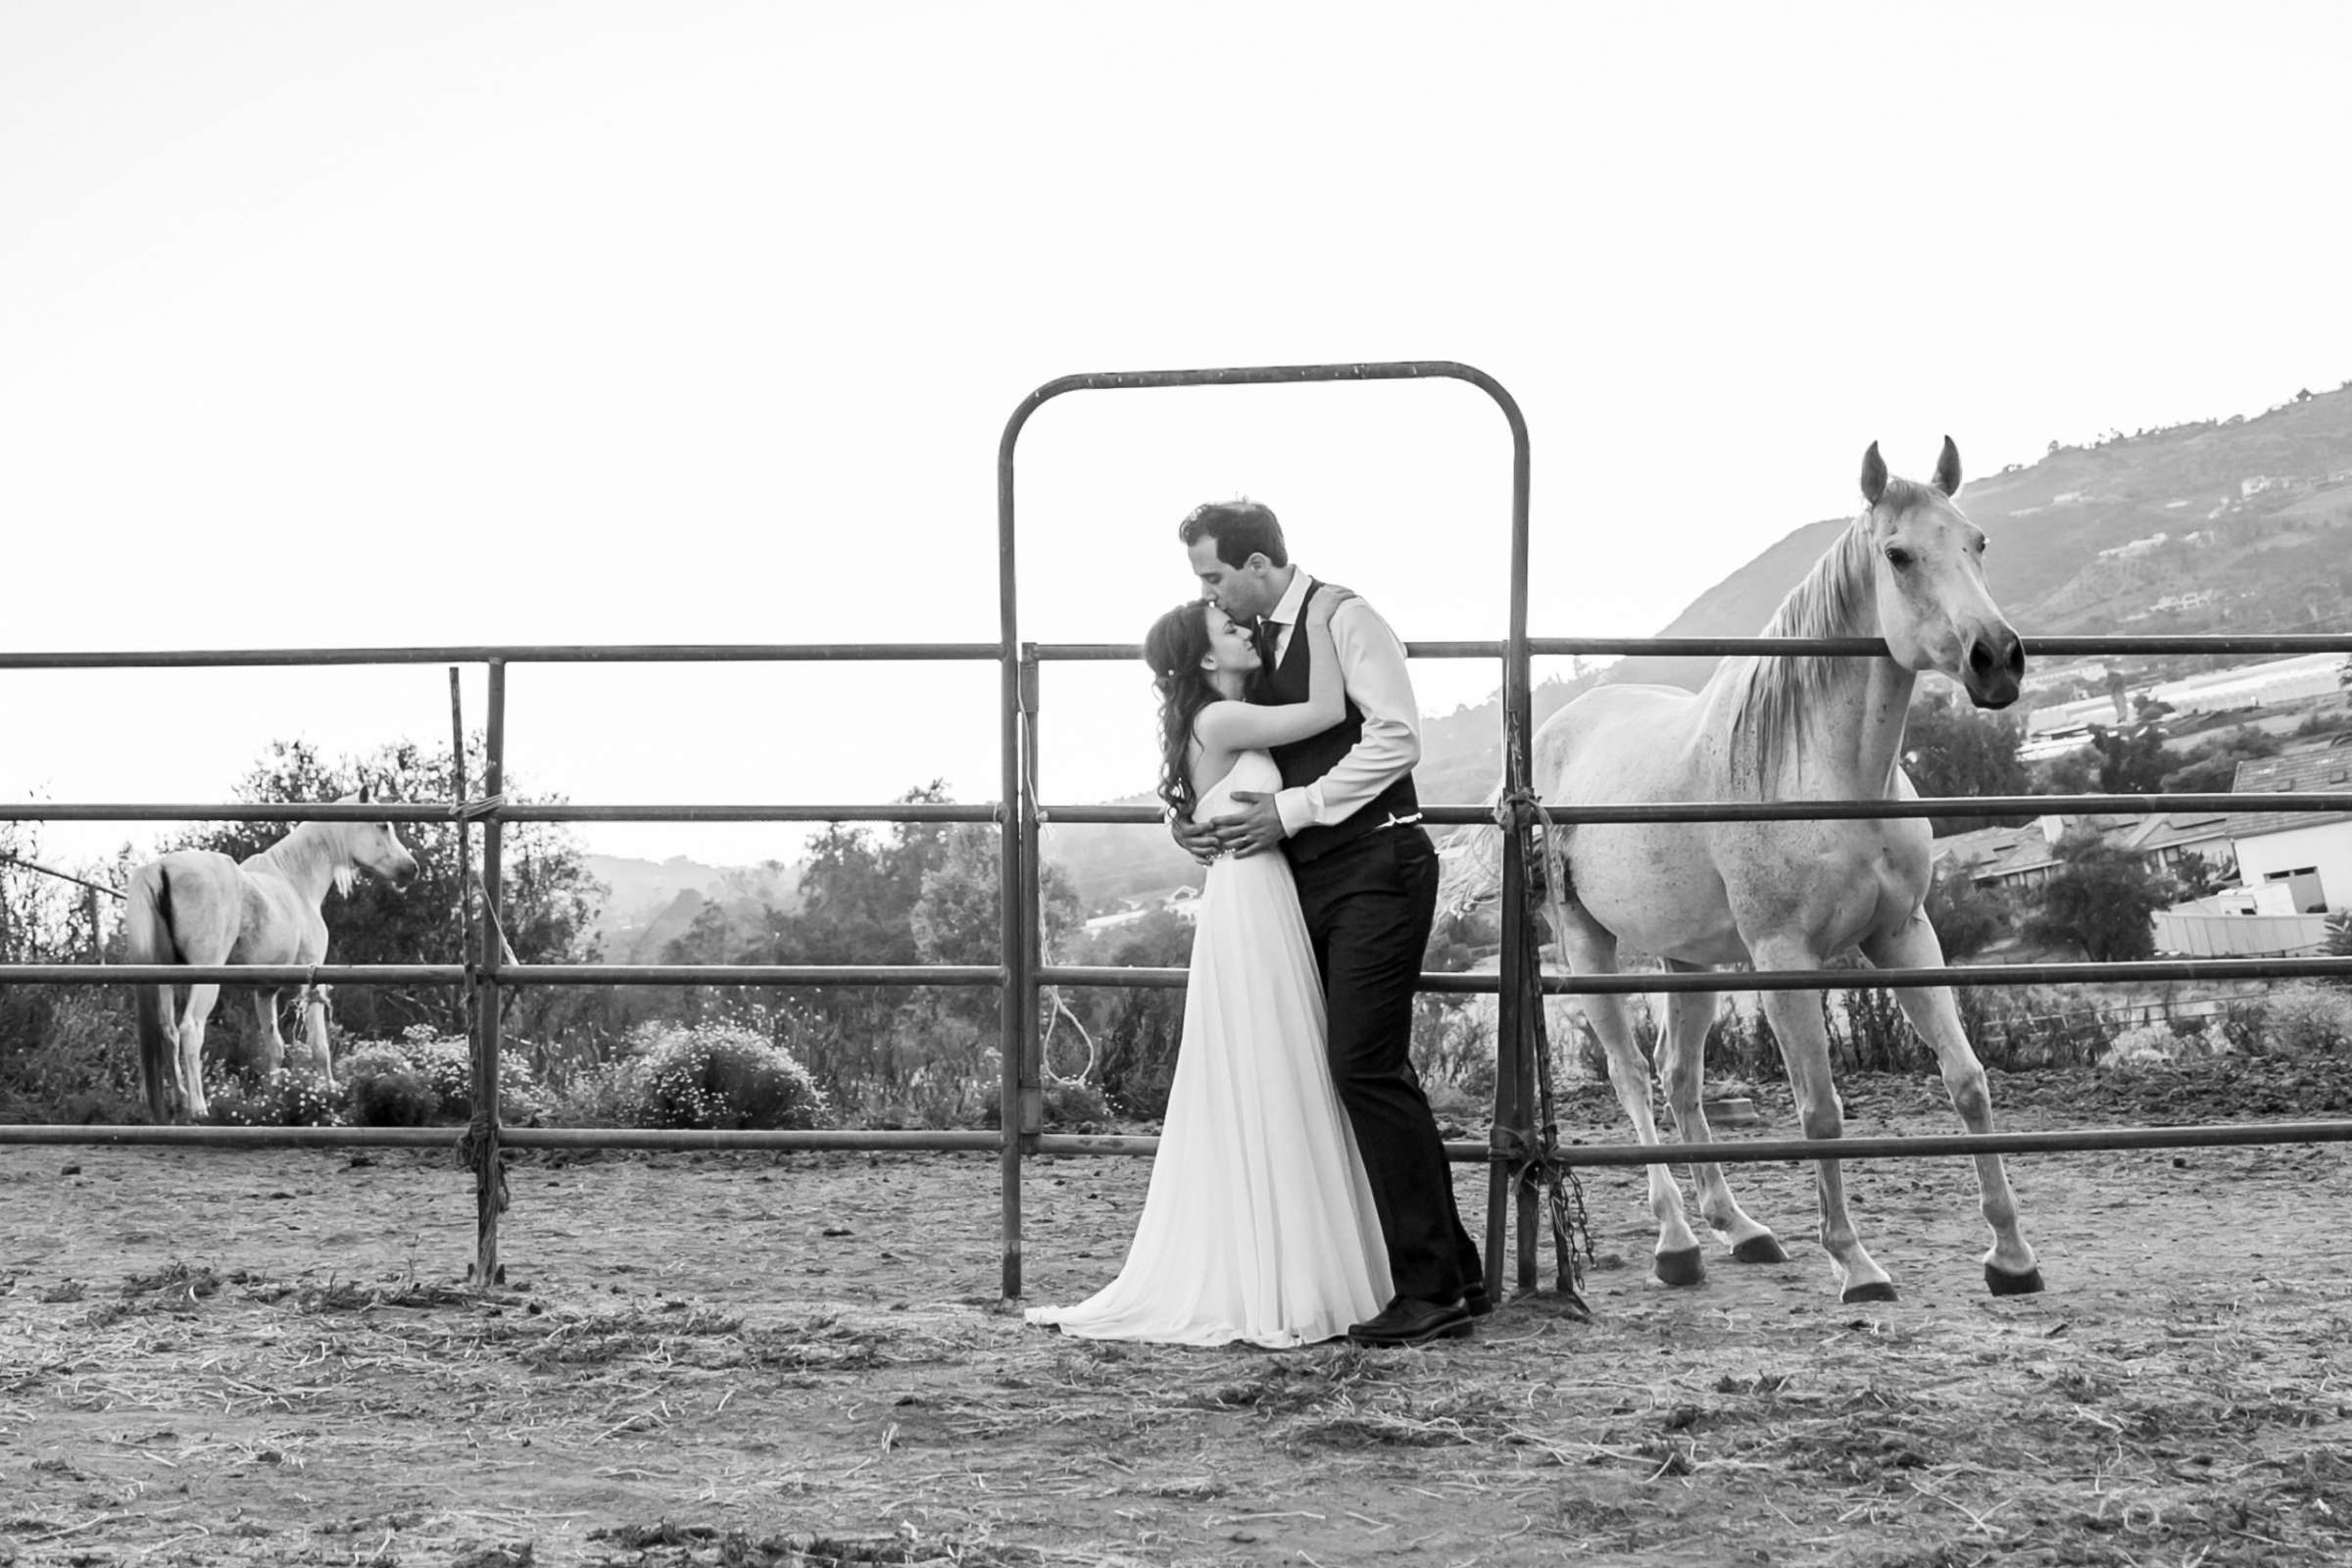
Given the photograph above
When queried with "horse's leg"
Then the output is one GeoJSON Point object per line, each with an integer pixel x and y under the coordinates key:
{"type": "Point", "coordinates": [1682, 1064]}
{"type": "Point", "coordinates": [2009, 1267]}
{"type": "Point", "coordinates": [313, 1016]}
{"type": "Point", "coordinates": [1805, 1051]}
{"type": "Point", "coordinates": [273, 1043]}
{"type": "Point", "coordinates": [191, 1050]}
{"type": "Point", "coordinates": [1590, 949]}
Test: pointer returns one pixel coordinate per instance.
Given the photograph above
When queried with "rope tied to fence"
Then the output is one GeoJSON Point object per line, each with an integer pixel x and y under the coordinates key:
{"type": "Point", "coordinates": [1541, 1169]}
{"type": "Point", "coordinates": [480, 811]}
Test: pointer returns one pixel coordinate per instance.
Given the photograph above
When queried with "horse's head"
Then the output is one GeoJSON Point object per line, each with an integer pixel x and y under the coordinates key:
{"type": "Point", "coordinates": [374, 848]}
{"type": "Point", "coordinates": [1934, 608]}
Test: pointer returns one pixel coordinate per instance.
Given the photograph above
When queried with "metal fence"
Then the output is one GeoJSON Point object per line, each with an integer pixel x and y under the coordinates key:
{"type": "Point", "coordinates": [1018, 814]}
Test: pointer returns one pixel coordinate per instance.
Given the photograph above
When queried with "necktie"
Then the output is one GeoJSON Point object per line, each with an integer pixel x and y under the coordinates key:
{"type": "Point", "coordinates": [1269, 638]}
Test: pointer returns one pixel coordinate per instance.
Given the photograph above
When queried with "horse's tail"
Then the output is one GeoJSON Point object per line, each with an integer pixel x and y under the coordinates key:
{"type": "Point", "coordinates": [147, 938]}
{"type": "Point", "coordinates": [1473, 867]}
{"type": "Point", "coordinates": [1472, 859]}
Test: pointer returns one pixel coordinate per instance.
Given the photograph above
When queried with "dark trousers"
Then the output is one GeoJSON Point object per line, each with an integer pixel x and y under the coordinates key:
{"type": "Point", "coordinates": [1369, 903]}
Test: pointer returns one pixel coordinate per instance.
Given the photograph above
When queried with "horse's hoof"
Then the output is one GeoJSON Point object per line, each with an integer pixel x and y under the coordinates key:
{"type": "Point", "coordinates": [1764, 1248]}
{"type": "Point", "coordinates": [1875, 1291]}
{"type": "Point", "coordinates": [2003, 1283]}
{"type": "Point", "coordinates": [1688, 1266]}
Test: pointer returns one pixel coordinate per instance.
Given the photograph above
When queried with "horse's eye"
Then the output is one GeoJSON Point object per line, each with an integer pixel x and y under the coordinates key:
{"type": "Point", "coordinates": [1898, 557]}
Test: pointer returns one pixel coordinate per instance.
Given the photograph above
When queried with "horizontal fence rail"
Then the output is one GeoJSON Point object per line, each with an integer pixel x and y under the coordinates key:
{"type": "Point", "coordinates": [2028, 806]}
{"type": "Point", "coordinates": [515, 654]}
{"type": "Point", "coordinates": [1463, 1152]}
{"type": "Point", "coordinates": [1761, 1150]}
{"type": "Point", "coordinates": [1746, 647]}
{"type": "Point", "coordinates": [1647, 982]}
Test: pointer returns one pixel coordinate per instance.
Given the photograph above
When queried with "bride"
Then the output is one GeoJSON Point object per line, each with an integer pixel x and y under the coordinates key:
{"type": "Point", "coordinates": [1258, 1226]}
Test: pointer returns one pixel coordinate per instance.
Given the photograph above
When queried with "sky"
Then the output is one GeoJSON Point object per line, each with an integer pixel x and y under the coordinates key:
{"type": "Point", "coordinates": [338, 324]}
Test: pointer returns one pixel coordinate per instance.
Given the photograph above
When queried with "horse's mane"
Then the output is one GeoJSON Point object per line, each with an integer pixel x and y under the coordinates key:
{"type": "Point", "coordinates": [314, 853]}
{"type": "Point", "coordinates": [1776, 691]}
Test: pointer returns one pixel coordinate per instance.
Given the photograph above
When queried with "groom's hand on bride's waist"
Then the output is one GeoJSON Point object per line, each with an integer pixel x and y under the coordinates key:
{"type": "Point", "coordinates": [1252, 830]}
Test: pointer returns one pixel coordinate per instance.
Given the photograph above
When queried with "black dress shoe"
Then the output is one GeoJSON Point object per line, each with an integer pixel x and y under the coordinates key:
{"type": "Point", "coordinates": [1407, 1321]}
{"type": "Point", "coordinates": [1476, 1302]}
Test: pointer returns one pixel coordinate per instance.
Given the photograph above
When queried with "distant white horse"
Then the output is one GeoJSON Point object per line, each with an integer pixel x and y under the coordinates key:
{"type": "Point", "coordinates": [1786, 895]}
{"type": "Point", "coordinates": [199, 907]}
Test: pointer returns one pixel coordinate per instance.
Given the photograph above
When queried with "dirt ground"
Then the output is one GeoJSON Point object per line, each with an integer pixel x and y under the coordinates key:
{"type": "Point", "coordinates": [216, 1357]}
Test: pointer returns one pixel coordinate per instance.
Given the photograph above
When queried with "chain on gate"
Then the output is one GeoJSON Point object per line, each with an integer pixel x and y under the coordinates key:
{"type": "Point", "coordinates": [1563, 1193]}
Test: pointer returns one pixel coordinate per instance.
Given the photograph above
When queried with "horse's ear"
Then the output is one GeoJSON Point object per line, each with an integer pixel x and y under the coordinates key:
{"type": "Point", "coordinates": [1874, 475]}
{"type": "Point", "coordinates": [364, 788]}
{"type": "Point", "coordinates": [1947, 468]}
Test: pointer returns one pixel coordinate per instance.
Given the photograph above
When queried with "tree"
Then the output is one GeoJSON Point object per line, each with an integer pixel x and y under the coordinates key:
{"type": "Point", "coordinates": [1950, 749]}
{"type": "Point", "coordinates": [2211, 767]}
{"type": "Point", "coordinates": [2099, 899]}
{"type": "Point", "coordinates": [955, 917]}
{"type": "Point", "coordinates": [2116, 762]}
{"type": "Point", "coordinates": [1968, 918]}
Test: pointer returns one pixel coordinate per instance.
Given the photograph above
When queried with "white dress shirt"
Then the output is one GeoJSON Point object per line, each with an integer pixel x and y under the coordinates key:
{"type": "Point", "coordinates": [1373, 666]}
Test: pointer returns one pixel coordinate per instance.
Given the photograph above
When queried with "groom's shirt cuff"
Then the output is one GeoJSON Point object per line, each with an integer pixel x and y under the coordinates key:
{"type": "Point", "coordinates": [1296, 808]}
{"type": "Point", "coordinates": [1372, 656]}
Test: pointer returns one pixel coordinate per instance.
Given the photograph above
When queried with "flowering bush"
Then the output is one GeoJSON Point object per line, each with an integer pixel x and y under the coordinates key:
{"type": "Point", "coordinates": [286, 1097]}
{"type": "Point", "coordinates": [426, 1076]}
{"type": "Point", "coordinates": [716, 1075]}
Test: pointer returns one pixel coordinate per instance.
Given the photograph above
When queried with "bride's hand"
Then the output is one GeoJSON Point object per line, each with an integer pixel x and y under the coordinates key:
{"type": "Point", "coordinates": [1328, 597]}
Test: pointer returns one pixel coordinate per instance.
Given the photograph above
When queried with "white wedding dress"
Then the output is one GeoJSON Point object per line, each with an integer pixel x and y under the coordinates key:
{"type": "Point", "coordinates": [1258, 1225]}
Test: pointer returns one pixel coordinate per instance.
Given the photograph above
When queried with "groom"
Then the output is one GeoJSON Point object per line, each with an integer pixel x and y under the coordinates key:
{"type": "Point", "coordinates": [1367, 877]}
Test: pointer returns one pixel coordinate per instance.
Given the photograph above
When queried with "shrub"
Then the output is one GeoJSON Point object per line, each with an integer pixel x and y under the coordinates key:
{"type": "Point", "coordinates": [1070, 1105]}
{"type": "Point", "coordinates": [383, 1090]}
{"type": "Point", "coordinates": [2143, 1044]}
{"type": "Point", "coordinates": [718, 1074]}
{"type": "Point", "coordinates": [426, 1076]}
{"type": "Point", "coordinates": [606, 1095]}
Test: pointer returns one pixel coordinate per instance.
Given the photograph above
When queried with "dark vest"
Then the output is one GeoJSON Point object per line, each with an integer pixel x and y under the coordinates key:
{"type": "Point", "coordinates": [1304, 761]}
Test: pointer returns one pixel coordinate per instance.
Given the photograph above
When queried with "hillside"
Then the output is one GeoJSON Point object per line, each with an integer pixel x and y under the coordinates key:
{"type": "Point", "coordinates": [2242, 524]}
{"type": "Point", "coordinates": [652, 903]}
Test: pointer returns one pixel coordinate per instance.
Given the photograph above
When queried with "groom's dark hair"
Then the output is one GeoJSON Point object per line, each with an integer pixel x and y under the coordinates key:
{"type": "Point", "coordinates": [1240, 528]}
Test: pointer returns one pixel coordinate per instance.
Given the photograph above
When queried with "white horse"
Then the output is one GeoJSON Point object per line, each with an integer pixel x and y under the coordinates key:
{"type": "Point", "coordinates": [199, 907]}
{"type": "Point", "coordinates": [1786, 895]}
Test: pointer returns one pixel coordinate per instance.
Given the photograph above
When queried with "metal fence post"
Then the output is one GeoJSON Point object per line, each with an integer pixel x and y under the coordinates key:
{"type": "Point", "coordinates": [1012, 812]}
{"type": "Point", "coordinates": [1032, 954]}
{"type": "Point", "coordinates": [489, 1180]}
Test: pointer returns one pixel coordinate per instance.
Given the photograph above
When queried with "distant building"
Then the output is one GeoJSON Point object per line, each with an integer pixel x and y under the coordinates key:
{"type": "Point", "coordinates": [2132, 547]}
{"type": "Point", "coordinates": [2311, 851]}
{"type": "Point", "coordinates": [1182, 901]}
{"type": "Point", "coordinates": [2019, 860]}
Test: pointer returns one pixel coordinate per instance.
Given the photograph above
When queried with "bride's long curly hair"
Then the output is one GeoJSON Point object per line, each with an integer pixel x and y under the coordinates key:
{"type": "Point", "coordinates": [1174, 648]}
